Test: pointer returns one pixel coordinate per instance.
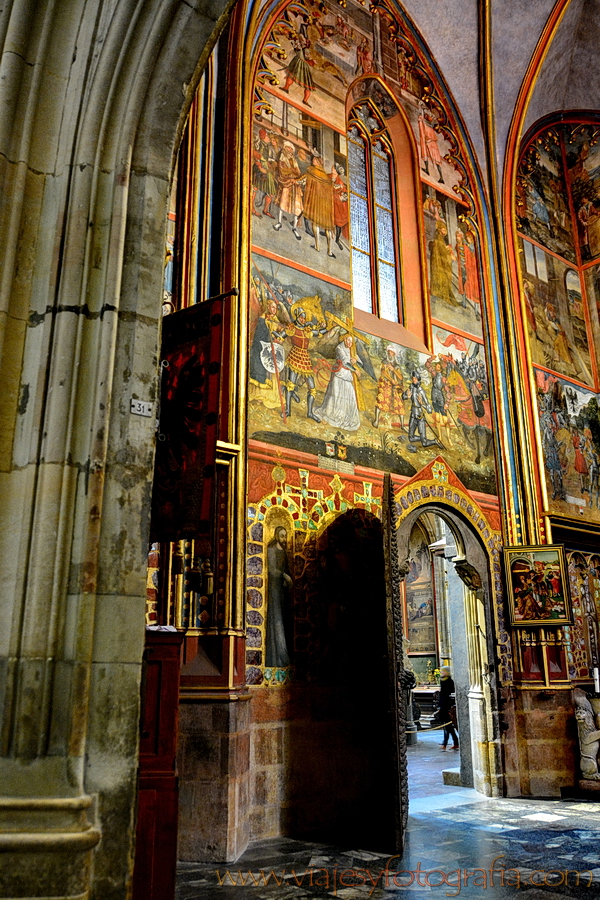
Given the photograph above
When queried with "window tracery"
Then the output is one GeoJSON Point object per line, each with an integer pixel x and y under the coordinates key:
{"type": "Point", "coordinates": [373, 216]}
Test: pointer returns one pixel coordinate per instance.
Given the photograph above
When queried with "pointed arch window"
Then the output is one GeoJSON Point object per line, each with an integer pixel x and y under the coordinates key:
{"type": "Point", "coordinates": [376, 281]}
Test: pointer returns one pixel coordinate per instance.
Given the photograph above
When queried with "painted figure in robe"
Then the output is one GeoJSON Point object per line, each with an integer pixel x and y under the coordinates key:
{"type": "Point", "coordinates": [319, 203]}
{"type": "Point", "coordinates": [428, 144]}
{"type": "Point", "coordinates": [440, 261]}
{"type": "Point", "coordinates": [364, 58]}
{"type": "Point", "coordinates": [340, 205]}
{"type": "Point", "coordinates": [340, 406]}
{"type": "Point", "coordinates": [289, 192]}
{"type": "Point", "coordinates": [560, 343]}
{"type": "Point", "coordinates": [472, 292]}
{"type": "Point", "coordinates": [279, 582]}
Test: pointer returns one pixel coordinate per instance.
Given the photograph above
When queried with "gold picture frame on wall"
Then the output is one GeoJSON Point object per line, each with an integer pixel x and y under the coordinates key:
{"type": "Point", "coordinates": [538, 586]}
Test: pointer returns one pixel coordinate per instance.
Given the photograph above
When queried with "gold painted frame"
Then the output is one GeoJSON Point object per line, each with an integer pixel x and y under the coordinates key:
{"type": "Point", "coordinates": [537, 586]}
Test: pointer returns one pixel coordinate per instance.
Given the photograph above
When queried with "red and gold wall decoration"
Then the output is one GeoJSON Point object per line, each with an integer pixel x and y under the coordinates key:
{"type": "Point", "coordinates": [286, 529]}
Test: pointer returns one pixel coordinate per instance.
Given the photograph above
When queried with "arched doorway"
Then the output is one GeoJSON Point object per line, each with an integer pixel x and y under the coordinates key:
{"type": "Point", "coordinates": [464, 610]}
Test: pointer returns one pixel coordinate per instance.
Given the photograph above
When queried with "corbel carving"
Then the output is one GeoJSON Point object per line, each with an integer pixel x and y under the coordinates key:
{"type": "Point", "coordinates": [468, 573]}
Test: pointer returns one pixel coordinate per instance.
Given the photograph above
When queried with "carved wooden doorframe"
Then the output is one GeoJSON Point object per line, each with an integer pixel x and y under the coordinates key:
{"type": "Point", "coordinates": [395, 638]}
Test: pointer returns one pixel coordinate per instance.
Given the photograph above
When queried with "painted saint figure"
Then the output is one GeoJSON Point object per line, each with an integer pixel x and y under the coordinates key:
{"type": "Point", "coordinates": [279, 582]}
{"type": "Point", "coordinates": [340, 407]}
{"type": "Point", "coordinates": [440, 263]}
{"type": "Point", "coordinates": [364, 58]}
{"type": "Point", "coordinates": [428, 144]}
{"type": "Point", "coordinates": [461, 261]}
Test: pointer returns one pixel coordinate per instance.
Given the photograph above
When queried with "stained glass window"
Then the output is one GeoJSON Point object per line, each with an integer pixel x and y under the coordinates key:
{"type": "Point", "coordinates": [373, 220]}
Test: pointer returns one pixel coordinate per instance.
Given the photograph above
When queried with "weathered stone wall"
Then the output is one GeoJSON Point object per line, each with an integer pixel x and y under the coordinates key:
{"type": "Point", "coordinates": [540, 747]}
{"type": "Point", "coordinates": [213, 761]}
{"type": "Point", "coordinates": [319, 765]}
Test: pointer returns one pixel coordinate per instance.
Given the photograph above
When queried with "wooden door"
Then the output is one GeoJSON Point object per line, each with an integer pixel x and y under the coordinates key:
{"type": "Point", "coordinates": [156, 833]}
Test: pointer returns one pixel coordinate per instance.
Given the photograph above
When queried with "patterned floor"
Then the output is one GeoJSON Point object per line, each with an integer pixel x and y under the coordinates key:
{"type": "Point", "coordinates": [459, 844]}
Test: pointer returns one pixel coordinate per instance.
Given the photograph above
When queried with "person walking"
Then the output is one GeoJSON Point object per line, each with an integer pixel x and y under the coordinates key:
{"type": "Point", "coordinates": [447, 701]}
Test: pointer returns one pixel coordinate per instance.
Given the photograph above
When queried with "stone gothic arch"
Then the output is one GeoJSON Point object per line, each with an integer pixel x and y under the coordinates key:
{"type": "Point", "coordinates": [477, 565]}
{"type": "Point", "coordinates": [95, 97]}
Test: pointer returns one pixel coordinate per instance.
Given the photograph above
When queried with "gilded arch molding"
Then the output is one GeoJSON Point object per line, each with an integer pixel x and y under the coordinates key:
{"type": "Point", "coordinates": [437, 485]}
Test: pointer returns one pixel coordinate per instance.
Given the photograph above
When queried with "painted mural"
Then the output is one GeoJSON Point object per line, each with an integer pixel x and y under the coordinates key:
{"type": "Point", "coordinates": [569, 419]}
{"type": "Point", "coordinates": [592, 287]}
{"type": "Point", "coordinates": [556, 319]}
{"type": "Point", "coordinates": [542, 202]}
{"type": "Point", "coordinates": [333, 85]}
{"type": "Point", "coordinates": [453, 268]}
{"type": "Point", "coordinates": [558, 216]}
{"type": "Point", "coordinates": [583, 164]}
{"type": "Point", "coordinates": [320, 386]}
{"type": "Point", "coordinates": [290, 514]}
{"type": "Point", "coordinates": [420, 600]}
{"type": "Point", "coordinates": [583, 636]}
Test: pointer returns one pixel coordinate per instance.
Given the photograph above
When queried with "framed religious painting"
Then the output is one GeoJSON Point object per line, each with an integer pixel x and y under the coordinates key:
{"type": "Point", "coordinates": [537, 586]}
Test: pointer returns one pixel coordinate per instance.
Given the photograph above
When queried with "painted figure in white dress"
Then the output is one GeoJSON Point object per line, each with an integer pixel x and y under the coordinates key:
{"type": "Point", "coordinates": [340, 406]}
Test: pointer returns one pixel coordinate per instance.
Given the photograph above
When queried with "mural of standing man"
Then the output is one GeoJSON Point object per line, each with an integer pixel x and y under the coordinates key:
{"type": "Point", "coordinates": [299, 363]}
{"type": "Point", "coordinates": [279, 582]}
{"type": "Point", "coordinates": [417, 424]}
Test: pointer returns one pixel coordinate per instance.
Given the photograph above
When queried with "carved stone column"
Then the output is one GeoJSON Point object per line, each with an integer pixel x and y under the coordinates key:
{"type": "Point", "coordinates": [86, 149]}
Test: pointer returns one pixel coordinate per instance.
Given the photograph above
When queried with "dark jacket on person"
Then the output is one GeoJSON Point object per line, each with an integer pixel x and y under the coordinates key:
{"type": "Point", "coordinates": [446, 690]}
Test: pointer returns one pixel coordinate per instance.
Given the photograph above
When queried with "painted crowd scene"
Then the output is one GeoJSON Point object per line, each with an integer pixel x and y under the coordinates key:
{"type": "Point", "coordinates": [558, 217]}
{"type": "Point", "coordinates": [319, 384]}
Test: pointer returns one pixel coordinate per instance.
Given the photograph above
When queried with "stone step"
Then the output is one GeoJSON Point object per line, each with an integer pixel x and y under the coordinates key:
{"type": "Point", "coordinates": [452, 776]}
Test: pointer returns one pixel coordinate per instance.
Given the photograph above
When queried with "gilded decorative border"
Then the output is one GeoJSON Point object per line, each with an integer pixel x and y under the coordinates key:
{"type": "Point", "coordinates": [439, 490]}
{"type": "Point", "coordinates": [309, 512]}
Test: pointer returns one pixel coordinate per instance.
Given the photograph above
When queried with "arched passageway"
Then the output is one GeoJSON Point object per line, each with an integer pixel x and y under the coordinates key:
{"type": "Point", "coordinates": [471, 625]}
